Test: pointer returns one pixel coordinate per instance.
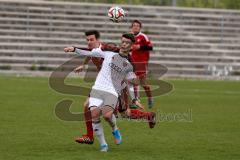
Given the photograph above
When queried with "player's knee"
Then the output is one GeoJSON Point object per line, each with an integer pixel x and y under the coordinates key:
{"type": "Point", "coordinates": [107, 112]}
{"type": "Point", "coordinates": [95, 113]}
{"type": "Point", "coordinates": [107, 116]}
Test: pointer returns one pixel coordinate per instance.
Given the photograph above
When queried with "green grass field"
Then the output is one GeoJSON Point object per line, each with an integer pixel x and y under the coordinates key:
{"type": "Point", "coordinates": [31, 130]}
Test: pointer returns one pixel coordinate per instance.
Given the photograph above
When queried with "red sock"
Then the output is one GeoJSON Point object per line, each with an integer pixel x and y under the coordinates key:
{"type": "Point", "coordinates": [88, 122]}
{"type": "Point", "coordinates": [148, 91]}
{"type": "Point", "coordinates": [138, 114]}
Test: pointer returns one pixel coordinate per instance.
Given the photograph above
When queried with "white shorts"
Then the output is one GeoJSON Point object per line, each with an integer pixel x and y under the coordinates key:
{"type": "Point", "coordinates": [100, 98]}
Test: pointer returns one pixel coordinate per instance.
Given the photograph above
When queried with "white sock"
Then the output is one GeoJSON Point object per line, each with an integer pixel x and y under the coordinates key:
{"type": "Point", "coordinates": [113, 123]}
{"type": "Point", "coordinates": [98, 130]}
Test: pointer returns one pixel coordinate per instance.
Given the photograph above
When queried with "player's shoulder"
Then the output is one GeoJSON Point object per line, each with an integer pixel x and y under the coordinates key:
{"type": "Point", "coordinates": [107, 53]}
{"type": "Point", "coordinates": [110, 54]}
{"type": "Point", "coordinates": [143, 35]}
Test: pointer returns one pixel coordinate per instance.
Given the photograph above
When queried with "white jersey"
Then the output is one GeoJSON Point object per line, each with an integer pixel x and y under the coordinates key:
{"type": "Point", "coordinates": [115, 70]}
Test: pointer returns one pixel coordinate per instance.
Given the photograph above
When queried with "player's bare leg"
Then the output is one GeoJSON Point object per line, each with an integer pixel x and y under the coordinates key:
{"type": "Point", "coordinates": [147, 88]}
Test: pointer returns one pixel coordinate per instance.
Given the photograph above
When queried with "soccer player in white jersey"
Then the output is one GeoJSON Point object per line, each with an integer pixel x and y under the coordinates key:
{"type": "Point", "coordinates": [116, 69]}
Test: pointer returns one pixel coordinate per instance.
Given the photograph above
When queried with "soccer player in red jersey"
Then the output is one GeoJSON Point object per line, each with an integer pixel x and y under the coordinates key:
{"type": "Point", "coordinates": [93, 41]}
{"type": "Point", "coordinates": [140, 57]}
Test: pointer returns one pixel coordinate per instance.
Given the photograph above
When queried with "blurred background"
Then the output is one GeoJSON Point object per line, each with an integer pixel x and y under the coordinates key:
{"type": "Point", "coordinates": [191, 38]}
{"type": "Point", "coordinates": [225, 4]}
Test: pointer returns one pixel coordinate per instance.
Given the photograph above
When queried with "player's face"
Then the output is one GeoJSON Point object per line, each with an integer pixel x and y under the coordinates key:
{"type": "Point", "coordinates": [136, 28]}
{"type": "Point", "coordinates": [126, 45]}
{"type": "Point", "coordinates": [92, 42]}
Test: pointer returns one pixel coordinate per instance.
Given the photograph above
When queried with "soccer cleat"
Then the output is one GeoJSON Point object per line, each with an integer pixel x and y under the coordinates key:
{"type": "Point", "coordinates": [152, 120]}
{"type": "Point", "coordinates": [117, 136]}
{"type": "Point", "coordinates": [104, 148]}
{"type": "Point", "coordinates": [150, 103]}
{"type": "Point", "coordinates": [84, 139]}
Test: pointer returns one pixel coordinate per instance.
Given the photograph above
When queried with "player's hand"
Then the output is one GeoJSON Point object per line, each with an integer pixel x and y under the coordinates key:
{"type": "Point", "coordinates": [131, 31]}
{"type": "Point", "coordinates": [139, 105]}
{"type": "Point", "coordinates": [69, 49]}
{"type": "Point", "coordinates": [135, 47]}
{"type": "Point", "coordinates": [79, 68]}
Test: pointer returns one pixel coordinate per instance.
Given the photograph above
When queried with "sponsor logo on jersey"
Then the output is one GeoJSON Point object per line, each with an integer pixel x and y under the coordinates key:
{"type": "Point", "coordinates": [115, 67]}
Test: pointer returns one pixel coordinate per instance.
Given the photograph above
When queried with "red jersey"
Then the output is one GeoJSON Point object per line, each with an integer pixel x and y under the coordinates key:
{"type": "Point", "coordinates": [141, 55]}
{"type": "Point", "coordinates": [97, 61]}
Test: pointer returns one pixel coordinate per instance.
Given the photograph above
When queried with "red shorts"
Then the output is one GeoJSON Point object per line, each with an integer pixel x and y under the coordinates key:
{"type": "Point", "coordinates": [140, 68]}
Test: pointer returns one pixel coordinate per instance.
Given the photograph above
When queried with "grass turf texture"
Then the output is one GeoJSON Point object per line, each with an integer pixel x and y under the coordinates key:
{"type": "Point", "coordinates": [30, 129]}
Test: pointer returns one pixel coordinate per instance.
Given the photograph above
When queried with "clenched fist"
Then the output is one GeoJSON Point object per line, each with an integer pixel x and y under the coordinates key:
{"type": "Point", "coordinates": [135, 47]}
{"type": "Point", "coordinates": [69, 49]}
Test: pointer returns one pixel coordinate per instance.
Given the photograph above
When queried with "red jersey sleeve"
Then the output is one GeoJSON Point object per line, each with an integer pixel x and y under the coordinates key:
{"type": "Point", "coordinates": [145, 41]}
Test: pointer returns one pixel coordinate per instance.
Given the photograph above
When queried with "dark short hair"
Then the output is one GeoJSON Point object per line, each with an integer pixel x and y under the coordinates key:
{"type": "Point", "coordinates": [129, 36]}
{"type": "Point", "coordinates": [137, 21]}
{"type": "Point", "coordinates": [93, 32]}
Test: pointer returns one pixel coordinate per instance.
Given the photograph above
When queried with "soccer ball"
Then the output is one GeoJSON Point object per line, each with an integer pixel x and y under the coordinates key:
{"type": "Point", "coordinates": [116, 14]}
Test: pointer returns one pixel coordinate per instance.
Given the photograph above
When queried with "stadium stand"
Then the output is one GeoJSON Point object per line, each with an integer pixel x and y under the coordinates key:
{"type": "Point", "coordinates": [190, 43]}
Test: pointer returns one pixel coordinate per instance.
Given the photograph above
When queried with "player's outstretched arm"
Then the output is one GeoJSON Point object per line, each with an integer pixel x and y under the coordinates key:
{"type": "Point", "coordinates": [94, 53]}
{"type": "Point", "coordinates": [137, 103]}
{"type": "Point", "coordinates": [69, 49]}
{"type": "Point", "coordinates": [134, 99]}
{"type": "Point", "coordinates": [78, 51]}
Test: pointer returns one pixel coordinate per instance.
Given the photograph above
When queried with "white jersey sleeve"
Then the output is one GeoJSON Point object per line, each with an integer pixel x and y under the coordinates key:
{"type": "Point", "coordinates": [130, 76]}
{"type": "Point", "coordinates": [131, 91]}
{"type": "Point", "coordinates": [96, 52]}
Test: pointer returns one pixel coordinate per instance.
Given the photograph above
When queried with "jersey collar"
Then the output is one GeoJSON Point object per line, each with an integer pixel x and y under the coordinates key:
{"type": "Point", "coordinates": [137, 34]}
{"type": "Point", "coordinates": [123, 55]}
